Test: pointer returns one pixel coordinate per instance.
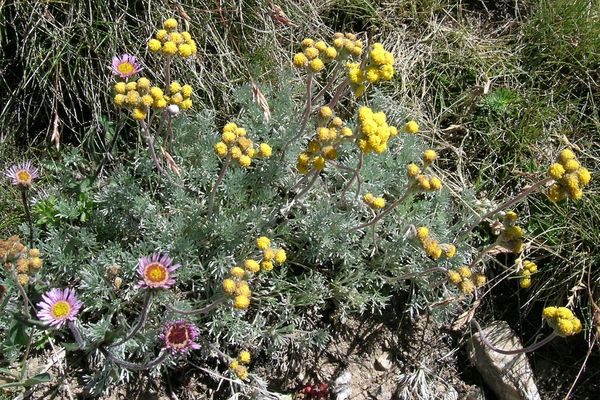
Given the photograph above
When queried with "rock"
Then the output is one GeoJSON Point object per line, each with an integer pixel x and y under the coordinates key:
{"type": "Point", "coordinates": [509, 376]}
{"type": "Point", "coordinates": [383, 362]}
{"type": "Point", "coordinates": [342, 386]}
{"type": "Point", "coordinates": [383, 394]}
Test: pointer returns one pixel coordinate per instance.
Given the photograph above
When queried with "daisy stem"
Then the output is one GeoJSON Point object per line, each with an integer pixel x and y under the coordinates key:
{"type": "Point", "coordinates": [111, 146]}
{"type": "Point", "coordinates": [141, 321]}
{"type": "Point", "coordinates": [510, 202]}
{"type": "Point", "coordinates": [27, 215]}
{"type": "Point", "coordinates": [213, 192]}
{"type": "Point", "coordinates": [382, 214]}
{"type": "Point", "coordinates": [76, 334]}
{"type": "Point", "coordinates": [305, 115]}
{"type": "Point", "coordinates": [529, 349]}
{"type": "Point", "coordinates": [133, 366]}
{"type": "Point", "coordinates": [203, 310]}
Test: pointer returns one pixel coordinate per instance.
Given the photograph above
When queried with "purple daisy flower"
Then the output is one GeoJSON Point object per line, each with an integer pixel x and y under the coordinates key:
{"type": "Point", "coordinates": [125, 66]}
{"type": "Point", "coordinates": [157, 271]}
{"type": "Point", "coordinates": [22, 175]}
{"type": "Point", "coordinates": [58, 306]}
{"type": "Point", "coordinates": [179, 336]}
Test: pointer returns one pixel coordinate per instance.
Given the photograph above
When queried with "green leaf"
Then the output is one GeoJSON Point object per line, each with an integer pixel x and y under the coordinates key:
{"type": "Point", "coordinates": [35, 380]}
{"type": "Point", "coordinates": [17, 333]}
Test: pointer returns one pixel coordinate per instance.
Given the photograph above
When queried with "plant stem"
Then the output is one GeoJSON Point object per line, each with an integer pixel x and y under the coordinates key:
{"type": "Point", "coordinates": [213, 192]}
{"type": "Point", "coordinates": [133, 366]}
{"type": "Point", "coordinates": [529, 349]}
{"type": "Point", "coordinates": [305, 115]}
{"type": "Point", "coordinates": [408, 192]}
{"type": "Point", "coordinates": [307, 187]}
{"type": "Point", "coordinates": [203, 310]}
{"type": "Point", "coordinates": [76, 334]}
{"type": "Point", "coordinates": [110, 147]}
{"type": "Point", "coordinates": [338, 93]}
{"type": "Point", "coordinates": [141, 320]}
{"type": "Point", "coordinates": [27, 215]}
{"type": "Point", "coordinates": [150, 143]}
{"type": "Point", "coordinates": [359, 165]}
{"type": "Point", "coordinates": [524, 193]}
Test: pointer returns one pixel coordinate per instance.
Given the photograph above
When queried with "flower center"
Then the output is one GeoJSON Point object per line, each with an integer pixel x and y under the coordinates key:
{"type": "Point", "coordinates": [125, 68]}
{"type": "Point", "coordinates": [178, 336]}
{"type": "Point", "coordinates": [156, 273]}
{"type": "Point", "coordinates": [61, 309]}
{"type": "Point", "coordinates": [23, 176]}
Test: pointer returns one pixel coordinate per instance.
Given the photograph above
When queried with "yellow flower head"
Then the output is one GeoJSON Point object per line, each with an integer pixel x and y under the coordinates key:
{"type": "Point", "coordinates": [121, 87]}
{"type": "Point", "coordinates": [280, 256]}
{"type": "Point", "coordinates": [268, 254]}
{"type": "Point", "coordinates": [237, 272]}
{"type": "Point", "coordinates": [422, 232]}
{"type": "Point", "coordinates": [243, 289]}
{"type": "Point", "coordinates": [244, 357]}
{"type": "Point", "coordinates": [379, 202]}
{"type": "Point", "coordinates": [464, 271]}
{"type": "Point", "coordinates": [311, 53]}
{"type": "Point", "coordinates": [566, 155]}
{"type": "Point", "coordinates": [154, 45]}
{"type": "Point", "coordinates": [556, 193]}
{"type": "Point", "coordinates": [228, 286]}
{"type": "Point", "coordinates": [325, 112]}
{"type": "Point", "coordinates": [316, 65]}
{"type": "Point", "coordinates": [454, 277]}
{"type": "Point", "coordinates": [241, 302]}
{"type": "Point", "coordinates": [245, 161]}
{"type": "Point", "coordinates": [221, 149]}
{"type": "Point", "coordinates": [584, 176]}
{"type": "Point", "coordinates": [466, 286]}
{"type": "Point", "coordinates": [307, 42]}
{"type": "Point", "coordinates": [299, 60]}
{"type": "Point", "coordinates": [525, 283]}
{"type": "Point", "coordinates": [263, 242]}
{"type": "Point", "coordinates": [411, 127]}
{"type": "Point", "coordinates": [266, 265]}
{"type": "Point", "coordinates": [138, 114]}
{"type": "Point", "coordinates": [412, 170]}
{"type": "Point", "coordinates": [185, 50]}
{"type": "Point", "coordinates": [169, 48]}
{"type": "Point", "coordinates": [170, 24]}
{"type": "Point", "coordinates": [252, 266]}
{"type": "Point", "coordinates": [556, 171]}
{"type": "Point", "coordinates": [435, 183]}
{"type": "Point", "coordinates": [161, 34]}
{"type": "Point", "coordinates": [571, 165]}
{"type": "Point", "coordinates": [450, 250]}
{"type": "Point", "coordinates": [429, 156]}
{"type": "Point", "coordinates": [480, 280]}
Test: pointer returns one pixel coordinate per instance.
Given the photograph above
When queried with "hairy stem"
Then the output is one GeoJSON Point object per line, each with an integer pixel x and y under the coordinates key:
{"type": "Point", "coordinates": [133, 366]}
{"type": "Point", "coordinates": [213, 192]}
{"type": "Point", "coordinates": [76, 334]}
{"type": "Point", "coordinates": [382, 214]}
{"type": "Point", "coordinates": [27, 215]}
{"type": "Point", "coordinates": [309, 185]}
{"type": "Point", "coordinates": [203, 310]}
{"type": "Point", "coordinates": [529, 349]}
{"type": "Point", "coordinates": [509, 203]}
{"type": "Point", "coordinates": [150, 143]}
{"type": "Point", "coordinates": [355, 174]}
{"type": "Point", "coordinates": [141, 321]}
{"type": "Point", "coordinates": [305, 115]}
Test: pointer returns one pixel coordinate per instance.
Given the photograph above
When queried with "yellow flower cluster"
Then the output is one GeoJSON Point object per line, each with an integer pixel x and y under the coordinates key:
{"type": "Point", "coordinates": [236, 284]}
{"type": "Point", "coordinates": [511, 236]}
{"type": "Point", "coordinates": [432, 247]}
{"type": "Point", "coordinates": [270, 255]}
{"type": "Point", "coordinates": [570, 177]}
{"type": "Point", "coordinates": [330, 131]}
{"type": "Point", "coordinates": [238, 365]}
{"type": "Point", "coordinates": [314, 55]}
{"type": "Point", "coordinates": [416, 176]}
{"type": "Point", "coordinates": [13, 254]}
{"type": "Point", "coordinates": [529, 268]}
{"type": "Point", "coordinates": [411, 127]}
{"type": "Point", "coordinates": [380, 65]}
{"type": "Point", "coordinates": [235, 143]}
{"type": "Point", "coordinates": [347, 44]}
{"type": "Point", "coordinates": [373, 131]}
{"type": "Point", "coordinates": [562, 320]}
{"type": "Point", "coordinates": [376, 203]}
{"type": "Point", "coordinates": [465, 280]}
{"type": "Point", "coordinates": [140, 96]}
{"type": "Point", "coordinates": [171, 42]}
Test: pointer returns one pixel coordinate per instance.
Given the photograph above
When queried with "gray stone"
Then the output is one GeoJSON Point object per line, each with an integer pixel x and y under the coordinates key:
{"type": "Point", "coordinates": [342, 386]}
{"type": "Point", "coordinates": [509, 376]}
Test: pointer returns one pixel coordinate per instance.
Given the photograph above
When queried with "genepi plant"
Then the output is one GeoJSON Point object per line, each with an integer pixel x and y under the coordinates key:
{"type": "Point", "coordinates": [113, 314]}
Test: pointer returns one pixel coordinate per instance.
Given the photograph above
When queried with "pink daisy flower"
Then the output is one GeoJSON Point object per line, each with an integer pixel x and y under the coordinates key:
{"type": "Point", "coordinates": [58, 306]}
{"type": "Point", "coordinates": [179, 336]}
{"type": "Point", "coordinates": [157, 271]}
{"type": "Point", "coordinates": [125, 66]}
{"type": "Point", "coordinates": [22, 175]}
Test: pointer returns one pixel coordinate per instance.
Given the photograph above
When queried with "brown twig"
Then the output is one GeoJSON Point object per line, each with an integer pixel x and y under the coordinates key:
{"type": "Point", "coordinates": [213, 192]}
